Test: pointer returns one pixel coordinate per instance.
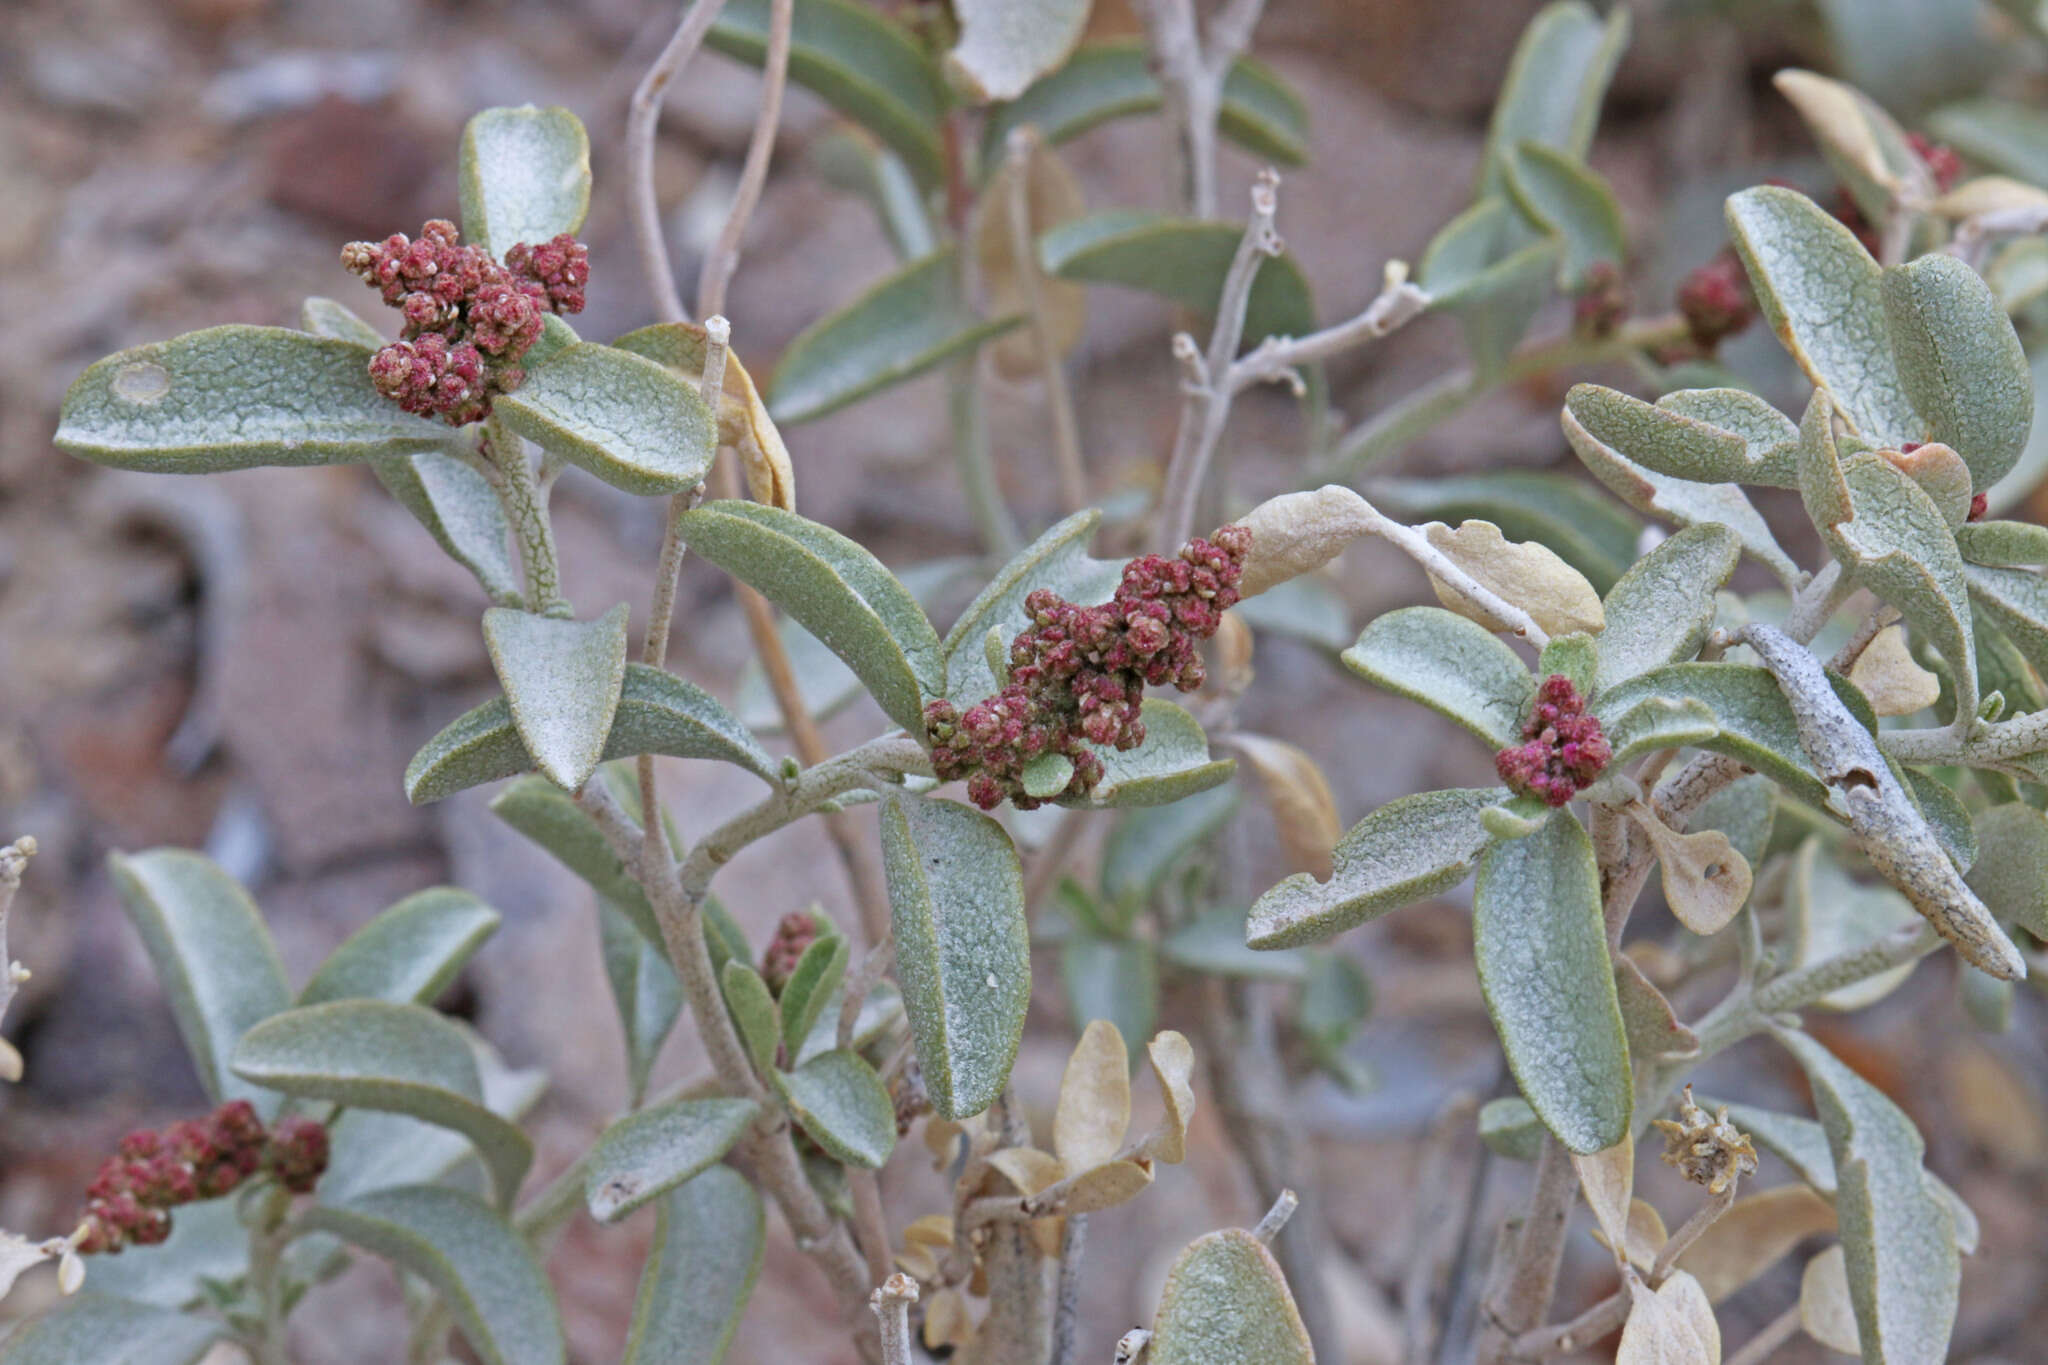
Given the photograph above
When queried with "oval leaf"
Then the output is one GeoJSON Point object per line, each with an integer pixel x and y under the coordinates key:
{"type": "Point", "coordinates": [2011, 871]}
{"type": "Point", "coordinates": [483, 1270]}
{"type": "Point", "coordinates": [460, 510]}
{"type": "Point", "coordinates": [1226, 1303]}
{"type": "Point", "coordinates": [234, 397]}
{"type": "Point", "coordinates": [1180, 259]}
{"type": "Point", "coordinates": [1554, 87]}
{"type": "Point", "coordinates": [1571, 202]}
{"type": "Point", "coordinates": [1172, 764]}
{"type": "Point", "coordinates": [1095, 1099]}
{"type": "Point", "coordinates": [629, 421]}
{"type": "Point", "coordinates": [545, 814]}
{"type": "Point", "coordinates": [1692, 434]}
{"type": "Point", "coordinates": [1005, 45]}
{"type": "Point", "coordinates": [708, 1239]}
{"type": "Point", "coordinates": [645, 989]}
{"type": "Point", "coordinates": [327, 318]}
{"type": "Point", "coordinates": [1549, 984]}
{"type": "Point", "coordinates": [814, 983]}
{"type": "Point", "coordinates": [1451, 665]}
{"type": "Point", "coordinates": [963, 951]}
{"type": "Point", "coordinates": [743, 420]}
{"type": "Point", "coordinates": [645, 1155]}
{"type": "Point", "coordinates": [843, 1105]}
{"type": "Point", "coordinates": [410, 952]}
{"type": "Point", "coordinates": [562, 681]}
{"type": "Point", "coordinates": [1660, 611]}
{"type": "Point", "coordinates": [212, 954]}
{"type": "Point", "coordinates": [101, 1327]}
{"type": "Point", "coordinates": [525, 176]}
{"type": "Point", "coordinates": [395, 1058]}
{"type": "Point", "coordinates": [1960, 362]}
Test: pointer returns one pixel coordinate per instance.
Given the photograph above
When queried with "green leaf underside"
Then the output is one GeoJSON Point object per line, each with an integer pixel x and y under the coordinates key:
{"type": "Point", "coordinates": [232, 398]}
{"type": "Point", "coordinates": [843, 1105]}
{"type": "Point", "coordinates": [562, 680]}
{"type": "Point", "coordinates": [1899, 1237]}
{"type": "Point", "coordinates": [838, 591]}
{"type": "Point", "coordinates": [101, 1328]}
{"type": "Point", "coordinates": [460, 510]}
{"type": "Point", "coordinates": [409, 953]}
{"type": "Point", "coordinates": [1561, 511]}
{"type": "Point", "coordinates": [336, 320]}
{"type": "Point", "coordinates": [397, 1058]}
{"type": "Point", "coordinates": [2008, 135]}
{"type": "Point", "coordinates": [1554, 86]}
{"type": "Point", "coordinates": [1172, 764]}
{"type": "Point", "coordinates": [1226, 1303]}
{"type": "Point", "coordinates": [1115, 979]}
{"type": "Point", "coordinates": [1823, 295]}
{"type": "Point", "coordinates": [811, 985]}
{"type": "Point", "coordinates": [2011, 871]}
{"type": "Point", "coordinates": [644, 988]}
{"type": "Point", "coordinates": [1672, 438]}
{"type": "Point", "coordinates": [899, 328]}
{"type": "Point", "coordinates": [1180, 259]}
{"type": "Point", "coordinates": [1214, 942]}
{"type": "Point", "coordinates": [869, 68]}
{"type": "Point", "coordinates": [1102, 81]}
{"type": "Point", "coordinates": [1409, 849]}
{"type": "Point", "coordinates": [754, 1013]}
{"type": "Point", "coordinates": [212, 954]}
{"type": "Point", "coordinates": [1456, 667]}
{"type": "Point", "coordinates": [1541, 947]}
{"type": "Point", "coordinates": [658, 713]}
{"type": "Point", "coordinates": [2003, 544]}
{"type": "Point", "coordinates": [1483, 267]}
{"type": "Point", "coordinates": [1149, 843]}
{"type": "Point", "coordinates": [1510, 1128]}
{"type": "Point", "coordinates": [1662, 608]}
{"type": "Point", "coordinates": [525, 176]}
{"type": "Point", "coordinates": [2017, 601]}
{"type": "Point", "coordinates": [545, 814]}
{"type": "Point", "coordinates": [963, 950]}
{"type": "Point", "coordinates": [1961, 363]}
{"type": "Point", "coordinates": [1058, 560]}
{"type": "Point", "coordinates": [709, 1235]}
{"type": "Point", "coordinates": [635, 424]}
{"type": "Point", "coordinates": [1564, 198]}
{"type": "Point", "coordinates": [645, 1155]}
{"type": "Point", "coordinates": [483, 1270]}
{"type": "Point", "coordinates": [207, 1240]}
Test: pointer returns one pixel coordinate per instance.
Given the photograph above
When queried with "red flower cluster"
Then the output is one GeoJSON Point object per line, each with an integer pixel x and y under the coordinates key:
{"type": "Point", "coordinates": [131, 1198]}
{"type": "Point", "coordinates": [797, 931]}
{"type": "Point", "coordinates": [1715, 300]}
{"type": "Point", "coordinates": [468, 319]}
{"type": "Point", "coordinates": [1601, 301]}
{"type": "Point", "coordinates": [1078, 674]}
{"type": "Point", "coordinates": [1563, 750]}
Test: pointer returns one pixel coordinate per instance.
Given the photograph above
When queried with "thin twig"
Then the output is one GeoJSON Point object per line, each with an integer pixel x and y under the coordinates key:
{"type": "Point", "coordinates": [642, 119]}
{"type": "Point", "coordinates": [1066, 433]}
{"type": "Point", "coordinates": [1191, 73]}
{"type": "Point", "coordinates": [1439, 1217]}
{"type": "Point", "coordinates": [891, 1304]}
{"type": "Point", "coordinates": [1774, 1334]}
{"type": "Point", "coordinates": [13, 862]}
{"type": "Point", "coordinates": [1523, 1296]}
{"type": "Point", "coordinates": [1066, 1316]}
{"type": "Point", "coordinates": [861, 984]}
{"type": "Point", "coordinates": [1277, 358]}
{"type": "Point", "coordinates": [724, 258]}
{"type": "Point", "coordinates": [1276, 1217]}
{"type": "Point", "coordinates": [866, 1188]}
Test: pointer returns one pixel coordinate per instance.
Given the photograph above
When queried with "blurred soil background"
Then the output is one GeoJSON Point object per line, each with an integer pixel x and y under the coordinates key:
{"type": "Point", "coordinates": [245, 663]}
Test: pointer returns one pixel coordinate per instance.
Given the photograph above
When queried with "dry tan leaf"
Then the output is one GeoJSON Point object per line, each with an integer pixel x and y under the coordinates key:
{"type": "Point", "coordinates": [942, 1138]}
{"type": "Point", "coordinates": [1990, 194]}
{"type": "Point", "coordinates": [1826, 1311]}
{"type": "Point", "coordinates": [1029, 1169]}
{"type": "Point", "coordinates": [1053, 197]}
{"type": "Point", "coordinates": [1706, 880]}
{"type": "Point", "coordinates": [1673, 1325]}
{"type": "Point", "coordinates": [932, 1230]}
{"type": "Point", "coordinates": [70, 1272]}
{"type": "Point", "coordinates": [1608, 1177]}
{"type": "Point", "coordinates": [1941, 474]}
{"type": "Point", "coordinates": [1646, 1235]}
{"type": "Point", "coordinates": [1234, 645]}
{"type": "Point", "coordinates": [1095, 1099]}
{"type": "Point", "coordinates": [1889, 676]}
{"type": "Point", "coordinates": [1173, 1065]}
{"type": "Point", "coordinates": [10, 1060]}
{"type": "Point", "coordinates": [1654, 1029]}
{"type": "Point", "coordinates": [18, 1254]}
{"type": "Point", "coordinates": [1298, 533]}
{"type": "Point", "coordinates": [1299, 796]}
{"type": "Point", "coordinates": [1997, 1108]}
{"type": "Point", "coordinates": [946, 1321]}
{"type": "Point", "coordinates": [1107, 1185]}
{"type": "Point", "coordinates": [1523, 573]}
{"type": "Point", "coordinates": [1835, 116]}
{"type": "Point", "coordinates": [1753, 1235]}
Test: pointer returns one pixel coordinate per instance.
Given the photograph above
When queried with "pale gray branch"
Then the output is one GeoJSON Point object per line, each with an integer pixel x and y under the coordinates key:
{"type": "Point", "coordinates": [641, 120]}
{"type": "Point", "coordinates": [724, 257]}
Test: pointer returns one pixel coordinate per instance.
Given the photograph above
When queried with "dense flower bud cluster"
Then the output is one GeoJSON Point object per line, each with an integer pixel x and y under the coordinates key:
{"type": "Point", "coordinates": [1601, 301]}
{"type": "Point", "coordinates": [1078, 674]}
{"type": "Point", "coordinates": [797, 931]}
{"type": "Point", "coordinates": [1563, 751]}
{"type": "Point", "coordinates": [1715, 300]}
{"type": "Point", "coordinates": [468, 319]}
{"type": "Point", "coordinates": [130, 1200]}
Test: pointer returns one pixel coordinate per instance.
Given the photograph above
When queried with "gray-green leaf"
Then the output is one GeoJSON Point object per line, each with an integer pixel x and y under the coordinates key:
{"type": "Point", "coordinates": [1148, 844]}
{"type": "Point", "coordinates": [525, 176]}
{"type": "Point", "coordinates": [1180, 259]}
{"type": "Point", "coordinates": [1454, 666]}
{"type": "Point", "coordinates": [1226, 1303]}
{"type": "Point", "coordinates": [645, 1155]}
{"type": "Point", "coordinates": [2011, 872]}
{"type": "Point", "coordinates": [562, 681]}
{"type": "Point", "coordinates": [1554, 86]}
{"type": "Point", "coordinates": [812, 984]}
{"type": "Point", "coordinates": [1510, 1128]}
{"type": "Point", "coordinates": [234, 397]}
{"type": "Point", "coordinates": [1961, 363]}
{"type": "Point", "coordinates": [1115, 979]}
{"type": "Point", "coordinates": [843, 1105]}
{"type": "Point", "coordinates": [963, 951]}
{"type": "Point", "coordinates": [1410, 848]}
{"type": "Point", "coordinates": [410, 952]}
{"type": "Point", "coordinates": [396, 1058]}
{"type": "Point", "coordinates": [460, 510]}
{"type": "Point", "coordinates": [1541, 946]}
{"type": "Point", "coordinates": [212, 954]}
{"type": "Point", "coordinates": [545, 814]}
{"type": "Point", "coordinates": [644, 987]}
{"type": "Point", "coordinates": [1686, 435]}
{"type": "Point", "coordinates": [1214, 942]}
{"type": "Point", "coordinates": [1571, 202]}
{"type": "Point", "coordinates": [708, 1238]}
{"type": "Point", "coordinates": [635, 424]}
{"type": "Point", "coordinates": [753, 1013]}
{"type": "Point", "coordinates": [110, 1331]}
{"type": "Point", "coordinates": [1058, 560]}
{"type": "Point", "coordinates": [1661, 609]}
{"type": "Point", "coordinates": [1172, 764]}
{"type": "Point", "coordinates": [327, 318]}
{"type": "Point", "coordinates": [483, 1270]}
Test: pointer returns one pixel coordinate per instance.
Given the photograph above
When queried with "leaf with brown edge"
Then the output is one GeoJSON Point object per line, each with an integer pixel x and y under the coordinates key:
{"type": "Point", "coordinates": [1095, 1099]}
{"type": "Point", "coordinates": [1887, 673]}
{"type": "Point", "coordinates": [1608, 1177]}
{"type": "Point", "coordinates": [1526, 574]}
{"type": "Point", "coordinates": [1299, 796]}
{"type": "Point", "coordinates": [1052, 196]}
{"type": "Point", "coordinates": [1756, 1231]}
{"type": "Point", "coordinates": [1173, 1065]}
{"type": "Point", "coordinates": [1706, 881]}
{"type": "Point", "coordinates": [1673, 1325]}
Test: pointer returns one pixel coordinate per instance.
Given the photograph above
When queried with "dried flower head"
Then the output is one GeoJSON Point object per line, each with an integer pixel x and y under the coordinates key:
{"type": "Point", "coordinates": [1710, 1151]}
{"type": "Point", "coordinates": [1563, 750]}
{"type": "Point", "coordinates": [1078, 674]}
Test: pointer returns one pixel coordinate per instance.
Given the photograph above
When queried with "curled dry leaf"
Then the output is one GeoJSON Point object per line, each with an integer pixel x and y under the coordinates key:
{"type": "Point", "coordinates": [924, 1241]}
{"type": "Point", "coordinates": [1826, 1311]}
{"type": "Point", "coordinates": [1887, 674]}
{"type": "Point", "coordinates": [1300, 799]}
{"type": "Point", "coordinates": [10, 1062]}
{"type": "Point", "coordinates": [1835, 114]}
{"type": "Point", "coordinates": [1053, 197]}
{"type": "Point", "coordinates": [1029, 1169]}
{"type": "Point", "coordinates": [1706, 880]}
{"type": "Point", "coordinates": [1234, 645]}
{"type": "Point", "coordinates": [1644, 1237]}
{"type": "Point", "coordinates": [1608, 1177]}
{"type": "Point", "coordinates": [1751, 1237]}
{"type": "Point", "coordinates": [1941, 474]}
{"type": "Point", "coordinates": [1095, 1099]}
{"type": "Point", "coordinates": [1524, 573]}
{"type": "Point", "coordinates": [1106, 1186]}
{"type": "Point", "coordinates": [1991, 194]}
{"type": "Point", "coordinates": [1173, 1064]}
{"type": "Point", "coordinates": [1298, 533]}
{"type": "Point", "coordinates": [1672, 1325]}
{"type": "Point", "coordinates": [946, 1321]}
